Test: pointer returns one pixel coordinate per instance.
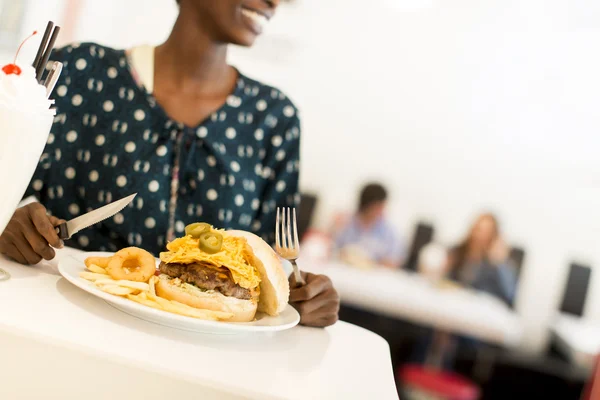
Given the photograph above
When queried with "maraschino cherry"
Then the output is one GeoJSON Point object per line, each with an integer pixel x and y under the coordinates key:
{"type": "Point", "coordinates": [13, 68]}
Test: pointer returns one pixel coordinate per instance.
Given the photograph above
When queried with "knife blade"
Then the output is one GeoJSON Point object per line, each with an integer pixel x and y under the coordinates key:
{"type": "Point", "coordinates": [69, 228]}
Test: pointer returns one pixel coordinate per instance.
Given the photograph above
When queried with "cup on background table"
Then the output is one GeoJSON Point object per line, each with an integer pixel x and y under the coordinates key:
{"type": "Point", "coordinates": [432, 262]}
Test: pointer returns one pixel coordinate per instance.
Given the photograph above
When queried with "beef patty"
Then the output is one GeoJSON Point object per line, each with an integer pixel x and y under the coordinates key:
{"type": "Point", "coordinates": [207, 278]}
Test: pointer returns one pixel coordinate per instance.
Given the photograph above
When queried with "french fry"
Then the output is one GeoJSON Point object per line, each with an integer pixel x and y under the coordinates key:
{"type": "Point", "coordinates": [123, 283]}
{"type": "Point", "coordinates": [117, 290]}
{"type": "Point", "coordinates": [159, 300]}
{"type": "Point", "coordinates": [92, 276]}
{"type": "Point", "coordinates": [96, 269]}
{"type": "Point", "coordinates": [183, 309]}
{"type": "Point", "coordinates": [141, 300]}
{"type": "Point", "coordinates": [152, 285]}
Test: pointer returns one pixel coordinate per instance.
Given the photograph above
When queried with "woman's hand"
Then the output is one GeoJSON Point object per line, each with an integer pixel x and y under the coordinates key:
{"type": "Point", "coordinates": [317, 302]}
{"type": "Point", "coordinates": [498, 252]}
{"type": "Point", "coordinates": [30, 235]}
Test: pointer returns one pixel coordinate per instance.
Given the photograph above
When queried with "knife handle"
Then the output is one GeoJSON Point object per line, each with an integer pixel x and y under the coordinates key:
{"type": "Point", "coordinates": [62, 231]}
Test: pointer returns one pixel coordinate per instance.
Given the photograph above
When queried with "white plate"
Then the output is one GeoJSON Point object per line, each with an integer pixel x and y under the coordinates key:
{"type": "Point", "coordinates": [70, 267]}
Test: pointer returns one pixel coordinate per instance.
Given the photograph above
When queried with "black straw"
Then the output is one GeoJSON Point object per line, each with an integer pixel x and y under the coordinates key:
{"type": "Point", "coordinates": [47, 53]}
{"type": "Point", "coordinates": [42, 47]}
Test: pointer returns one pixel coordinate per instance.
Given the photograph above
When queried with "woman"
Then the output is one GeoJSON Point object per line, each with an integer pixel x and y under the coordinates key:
{"type": "Point", "coordinates": [196, 139]}
{"type": "Point", "coordinates": [482, 262]}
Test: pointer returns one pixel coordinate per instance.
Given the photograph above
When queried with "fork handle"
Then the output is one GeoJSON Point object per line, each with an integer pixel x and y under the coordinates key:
{"type": "Point", "coordinates": [298, 277]}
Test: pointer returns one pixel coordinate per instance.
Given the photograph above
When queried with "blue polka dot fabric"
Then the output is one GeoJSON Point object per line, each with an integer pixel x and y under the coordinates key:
{"type": "Point", "coordinates": [110, 138]}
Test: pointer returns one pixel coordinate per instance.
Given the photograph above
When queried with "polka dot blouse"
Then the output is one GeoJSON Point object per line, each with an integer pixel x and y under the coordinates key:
{"type": "Point", "coordinates": [110, 138]}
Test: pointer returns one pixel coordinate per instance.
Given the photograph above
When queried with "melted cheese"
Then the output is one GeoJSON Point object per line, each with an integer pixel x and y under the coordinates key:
{"type": "Point", "coordinates": [236, 255]}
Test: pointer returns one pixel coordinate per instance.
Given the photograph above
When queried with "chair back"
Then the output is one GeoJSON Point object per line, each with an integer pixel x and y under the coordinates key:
{"type": "Point", "coordinates": [517, 256]}
{"type": "Point", "coordinates": [576, 289]}
{"type": "Point", "coordinates": [423, 235]}
{"type": "Point", "coordinates": [308, 204]}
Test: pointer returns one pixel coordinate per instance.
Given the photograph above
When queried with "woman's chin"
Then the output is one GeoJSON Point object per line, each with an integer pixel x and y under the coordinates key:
{"type": "Point", "coordinates": [242, 37]}
{"type": "Point", "coordinates": [244, 40]}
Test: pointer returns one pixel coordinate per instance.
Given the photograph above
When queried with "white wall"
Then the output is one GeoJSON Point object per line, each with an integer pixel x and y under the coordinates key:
{"type": "Point", "coordinates": [457, 105]}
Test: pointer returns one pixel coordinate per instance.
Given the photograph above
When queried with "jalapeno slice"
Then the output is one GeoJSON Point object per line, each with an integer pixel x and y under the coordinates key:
{"type": "Point", "coordinates": [197, 229]}
{"type": "Point", "coordinates": [210, 242]}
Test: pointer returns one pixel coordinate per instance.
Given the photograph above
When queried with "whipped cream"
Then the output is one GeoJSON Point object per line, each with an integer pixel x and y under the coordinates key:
{"type": "Point", "coordinates": [22, 93]}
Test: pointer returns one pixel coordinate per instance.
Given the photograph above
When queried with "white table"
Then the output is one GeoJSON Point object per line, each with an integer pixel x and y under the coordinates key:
{"type": "Point", "coordinates": [59, 342]}
{"type": "Point", "coordinates": [577, 338]}
{"type": "Point", "coordinates": [410, 296]}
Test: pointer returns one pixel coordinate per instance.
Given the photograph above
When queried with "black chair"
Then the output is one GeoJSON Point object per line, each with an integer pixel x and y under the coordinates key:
{"type": "Point", "coordinates": [517, 256]}
{"type": "Point", "coordinates": [576, 289]}
{"type": "Point", "coordinates": [308, 203]}
{"type": "Point", "coordinates": [423, 235]}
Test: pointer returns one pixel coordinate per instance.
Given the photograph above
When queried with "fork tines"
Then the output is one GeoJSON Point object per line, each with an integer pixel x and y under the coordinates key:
{"type": "Point", "coordinates": [285, 239]}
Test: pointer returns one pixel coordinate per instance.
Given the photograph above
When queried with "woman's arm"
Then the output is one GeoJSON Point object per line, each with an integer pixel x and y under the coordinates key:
{"type": "Point", "coordinates": [507, 280]}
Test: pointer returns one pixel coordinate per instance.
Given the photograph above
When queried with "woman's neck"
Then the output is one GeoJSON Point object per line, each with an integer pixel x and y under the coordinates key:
{"type": "Point", "coordinates": [191, 60]}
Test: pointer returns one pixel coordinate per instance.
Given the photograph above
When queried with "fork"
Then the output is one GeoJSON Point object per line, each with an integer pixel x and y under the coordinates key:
{"type": "Point", "coordinates": [286, 245]}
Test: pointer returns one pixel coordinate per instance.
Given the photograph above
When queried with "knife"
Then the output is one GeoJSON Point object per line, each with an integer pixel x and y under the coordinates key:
{"type": "Point", "coordinates": [69, 228]}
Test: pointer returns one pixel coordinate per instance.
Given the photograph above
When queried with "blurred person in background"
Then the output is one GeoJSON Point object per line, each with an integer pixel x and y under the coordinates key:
{"type": "Point", "coordinates": [368, 237]}
{"type": "Point", "coordinates": [195, 138]}
{"type": "Point", "coordinates": [481, 261]}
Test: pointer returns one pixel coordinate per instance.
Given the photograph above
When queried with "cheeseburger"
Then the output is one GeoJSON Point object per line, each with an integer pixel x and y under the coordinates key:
{"type": "Point", "coordinates": [230, 271]}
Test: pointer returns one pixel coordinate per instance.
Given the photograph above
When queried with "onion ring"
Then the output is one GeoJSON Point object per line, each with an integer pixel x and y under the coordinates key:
{"type": "Point", "coordinates": [133, 264]}
{"type": "Point", "coordinates": [102, 262]}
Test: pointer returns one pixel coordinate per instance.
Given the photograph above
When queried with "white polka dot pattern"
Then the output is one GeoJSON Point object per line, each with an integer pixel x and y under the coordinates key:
{"type": "Point", "coordinates": [150, 223]}
{"type": "Point", "coordinates": [71, 136]}
{"type": "Point", "coordinates": [130, 147]}
{"type": "Point", "coordinates": [230, 133]}
{"type": "Point", "coordinates": [94, 176]}
{"type": "Point", "coordinates": [121, 181]}
{"type": "Point", "coordinates": [112, 72]}
{"type": "Point", "coordinates": [83, 240]}
{"type": "Point", "coordinates": [234, 169]}
{"type": "Point", "coordinates": [119, 218]}
{"type": "Point", "coordinates": [77, 100]}
{"type": "Point", "coordinates": [161, 151]}
{"type": "Point", "coordinates": [74, 209]}
{"type": "Point", "coordinates": [153, 186]}
{"type": "Point", "coordinates": [202, 132]}
{"type": "Point", "coordinates": [239, 200]}
{"type": "Point", "coordinates": [212, 195]}
{"type": "Point", "coordinates": [61, 91]}
{"type": "Point", "coordinates": [81, 64]}
{"type": "Point", "coordinates": [70, 173]}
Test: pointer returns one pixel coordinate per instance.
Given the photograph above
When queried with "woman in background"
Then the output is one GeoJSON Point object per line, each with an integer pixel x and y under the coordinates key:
{"type": "Point", "coordinates": [195, 138]}
{"type": "Point", "coordinates": [481, 260]}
